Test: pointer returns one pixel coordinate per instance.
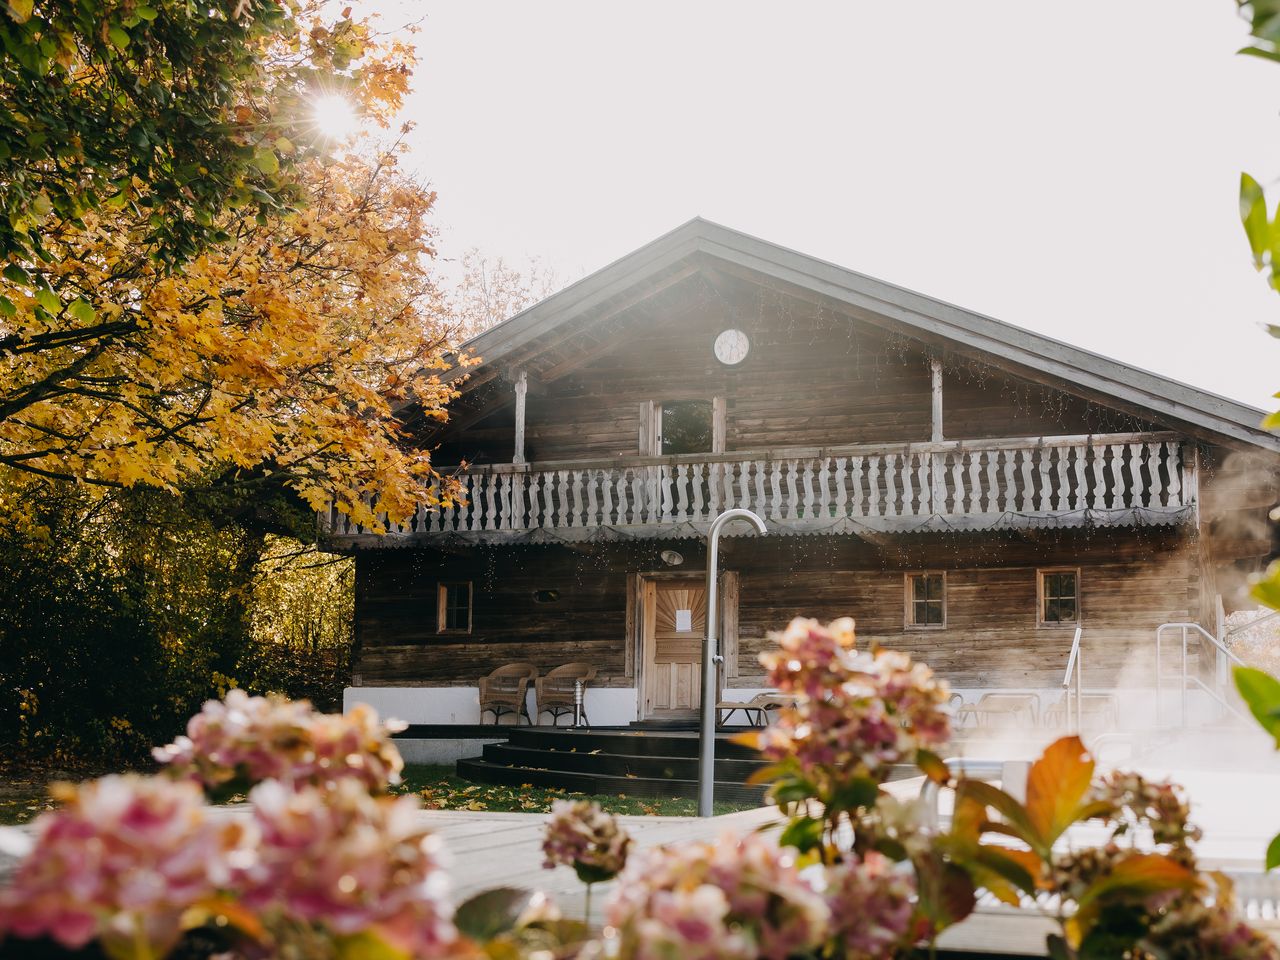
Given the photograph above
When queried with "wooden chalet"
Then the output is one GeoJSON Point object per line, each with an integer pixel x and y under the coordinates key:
{"type": "Point", "coordinates": [969, 491]}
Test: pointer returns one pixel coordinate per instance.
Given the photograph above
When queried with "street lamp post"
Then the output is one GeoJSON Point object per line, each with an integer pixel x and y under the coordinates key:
{"type": "Point", "coordinates": [711, 659]}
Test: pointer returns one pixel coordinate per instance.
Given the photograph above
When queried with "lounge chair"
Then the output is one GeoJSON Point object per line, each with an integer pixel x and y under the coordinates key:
{"type": "Point", "coordinates": [758, 706]}
{"type": "Point", "coordinates": [503, 691]}
{"type": "Point", "coordinates": [554, 693]}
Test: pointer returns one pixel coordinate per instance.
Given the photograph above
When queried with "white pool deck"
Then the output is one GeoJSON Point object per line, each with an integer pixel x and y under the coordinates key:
{"type": "Point", "coordinates": [1239, 813]}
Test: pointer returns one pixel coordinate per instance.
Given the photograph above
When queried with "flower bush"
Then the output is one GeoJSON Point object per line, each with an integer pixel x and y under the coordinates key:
{"type": "Point", "coordinates": [858, 713]}
{"type": "Point", "coordinates": [237, 742]}
{"type": "Point", "coordinates": [732, 898]}
{"type": "Point", "coordinates": [325, 864]}
{"type": "Point", "coordinates": [121, 861]}
{"type": "Point", "coordinates": [344, 860]}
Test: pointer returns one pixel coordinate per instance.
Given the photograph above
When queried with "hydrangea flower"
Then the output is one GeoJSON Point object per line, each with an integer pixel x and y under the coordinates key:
{"type": "Point", "coordinates": [235, 743]}
{"type": "Point", "coordinates": [581, 835]}
{"type": "Point", "coordinates": [871, 907]}
{"type": "Point", "coordinates": [349, 862]}
{"type": "Point", "coordinates": [121, 860]}
{"type": "Point", "coordinates": [858, 712]}
{"type": "Point", "coordinates": [733, 899]}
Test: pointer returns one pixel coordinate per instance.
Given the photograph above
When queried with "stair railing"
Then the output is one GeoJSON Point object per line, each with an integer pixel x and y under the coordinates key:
{"type": "Point", "coordinates": [1186, 677]}
{"type": "Point", "coordinates": [1074, 675]}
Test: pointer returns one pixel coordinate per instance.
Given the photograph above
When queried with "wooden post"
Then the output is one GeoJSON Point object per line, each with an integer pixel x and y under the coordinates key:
{"type": "Point", "coordinates": [935, 432]}
{"type": "Point", "coordinates": [935, 378]}
{"type": "Point", "coordinates": [719, 423]}
{"type": "Point", "coordinates": [522, 388]}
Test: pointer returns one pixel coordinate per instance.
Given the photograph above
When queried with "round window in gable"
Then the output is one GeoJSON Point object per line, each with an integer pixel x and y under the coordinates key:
{"type": "Point", "coordinates": [546, 596]}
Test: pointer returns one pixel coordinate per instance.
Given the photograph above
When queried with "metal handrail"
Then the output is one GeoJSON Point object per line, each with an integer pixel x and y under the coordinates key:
{"type": "Point", "coordinates": [1222, 648]}
{"type": "Point", "coordinates": [1251, 624]}
{"type": "Point", "coordinates": [1075, 671]}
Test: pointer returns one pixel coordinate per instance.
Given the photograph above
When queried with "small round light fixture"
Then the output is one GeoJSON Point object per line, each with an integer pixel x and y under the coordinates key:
{"type": "Point", "coordinates": [671, 558]}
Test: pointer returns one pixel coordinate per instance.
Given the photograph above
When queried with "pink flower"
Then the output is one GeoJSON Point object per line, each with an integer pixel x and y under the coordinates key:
{"type": "Point", "coordinates": [859, 713]}
{"type": "Point", "coordinates": [581, 835]}
{"type": "Point", "coordinates": [871, 907]}
{"type": "Point", "coordinates": [735, 898]}
{"type": "Point", "coordinates": [240, 741]}
{"type": "Point", "coordinates": [124, 857]}
{"type": "Point", "coordinates": [349, 862]}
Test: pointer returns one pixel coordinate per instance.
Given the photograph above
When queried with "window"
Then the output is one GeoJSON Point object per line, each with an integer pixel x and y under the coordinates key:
{"type": "Point", "coordinates": [926, 599]}
{"type": "Point", "coordinates": [686, 427]}
{"type": "Point", "coordinates": [1059, 596]}
{"type": "Point", "coordinates": [453, 608]}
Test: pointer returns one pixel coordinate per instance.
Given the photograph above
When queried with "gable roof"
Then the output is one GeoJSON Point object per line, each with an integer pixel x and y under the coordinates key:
{"type": "Point", "coordinates": [700, 241]}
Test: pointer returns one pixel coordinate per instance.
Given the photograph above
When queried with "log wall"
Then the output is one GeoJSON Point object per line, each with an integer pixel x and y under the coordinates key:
{"type": "Point", "coordinates": [1131, 581]}
{"type": "Point", "coordinates": [808, 380]}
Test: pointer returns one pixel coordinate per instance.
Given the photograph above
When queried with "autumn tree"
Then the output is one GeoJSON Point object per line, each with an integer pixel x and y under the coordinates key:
{"type": "Point", "coordinates": [490, 290]}
{"type": "Point", "coordinates": [276, 354]}
{"type": "Point", "coordinates": [172, 110]}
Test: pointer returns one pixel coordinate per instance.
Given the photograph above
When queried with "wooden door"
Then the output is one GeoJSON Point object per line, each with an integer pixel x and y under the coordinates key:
{"type": "Point", "coordinates": [675, 623]}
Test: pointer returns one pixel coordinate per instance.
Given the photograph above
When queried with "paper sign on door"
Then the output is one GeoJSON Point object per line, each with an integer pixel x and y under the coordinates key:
{"type": "Point", "coordinates": [684, 621]}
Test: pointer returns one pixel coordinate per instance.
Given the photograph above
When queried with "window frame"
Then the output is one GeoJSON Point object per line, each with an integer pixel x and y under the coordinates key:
{"type": "Point", "coordinates": [908, 607]}
{"type": "Point", "coordinates": [442, 607]}
{"type": "Point", "coordinates": [1041, 573]}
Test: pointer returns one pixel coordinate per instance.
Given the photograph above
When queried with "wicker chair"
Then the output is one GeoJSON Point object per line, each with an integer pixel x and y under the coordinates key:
{"type": "Point", "coordinates": [555, 691]}
{"type": "Point", "coordinates": [503, 691]}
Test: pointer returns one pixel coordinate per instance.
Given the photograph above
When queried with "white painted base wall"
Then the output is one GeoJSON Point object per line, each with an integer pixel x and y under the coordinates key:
{"type": "Point", "coordinates": [606, 706]}
{"type": "Point", "coordinates": [440, 751]}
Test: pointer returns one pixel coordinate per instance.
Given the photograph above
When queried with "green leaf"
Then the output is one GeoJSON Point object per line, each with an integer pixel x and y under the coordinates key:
{"type": "Point", "coordinates": [146, 13]}
{"type": "Point", "coordinates": [1139, 875]}
{"type": "Point", "coordinates": [367, 946]}
{"type": "Point", "coordinates": [1253, 214]}
{"type": "Point", "coordinates": [118, 37]}
{"type": "Point", "coordinates": [493, 912]}
{"type": "Point", "coordinates": [1273, 853]}
{"type": "Point", "coordinates": [49, 300]}
{"type": "Point", "coordinates": [857, 794]}
{"type": "Point", "coordinates": [1261, 692]}
{"type": "Point", "coordinates": [931, 766]}
{"type": "Point", "coordinates": [1013, 812]}
{"type": "Point", "coordinates": [82, 311]}
{"type": "Point", "coordinates": [20, 10]}
{"type": "Point", "coordinates": [15, 274]}
{"type": "Point", "coordinates": [266, 161]}
{"type": "Point", "coordinates": [803, 833]}
{"type": "Point", "coordinates": [7, 308]}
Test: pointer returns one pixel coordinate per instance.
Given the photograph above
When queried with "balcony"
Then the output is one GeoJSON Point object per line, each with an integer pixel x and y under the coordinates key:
{"type": "Point", "coordinates": [1099, 480]}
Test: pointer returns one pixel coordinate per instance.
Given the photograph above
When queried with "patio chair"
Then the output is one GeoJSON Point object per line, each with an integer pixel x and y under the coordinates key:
{"type": "Point", "coordinates": [1000, 706]}
{"type": "Point", "coordinates": [503, 691]}
{"type": "Point", "coordinates": [757, 707]}
{"type": "Point", "coordinates": [554, 693]}
{"type": "Point", "coordinates": [1095, 708]}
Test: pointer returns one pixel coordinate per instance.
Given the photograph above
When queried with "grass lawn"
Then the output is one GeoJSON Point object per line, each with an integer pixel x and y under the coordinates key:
{"type": "Point", "coordinates": [23, 794]}
{"type": "Point", "coordinates": [441, 788]}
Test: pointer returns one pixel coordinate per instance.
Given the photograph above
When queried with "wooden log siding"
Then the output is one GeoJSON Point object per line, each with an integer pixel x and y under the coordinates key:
{"type": "Point", "coordinates": [1132, 580]}
{"type": "Point", "coordinates": [1113, 479]}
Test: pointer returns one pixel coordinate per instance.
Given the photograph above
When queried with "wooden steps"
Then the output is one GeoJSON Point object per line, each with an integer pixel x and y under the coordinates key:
{"type": "Point", "coordinates": [637, 763]}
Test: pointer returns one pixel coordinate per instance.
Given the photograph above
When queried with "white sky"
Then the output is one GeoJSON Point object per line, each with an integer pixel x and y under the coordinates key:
{"type": "Point", "coordinates": [1070, 168]}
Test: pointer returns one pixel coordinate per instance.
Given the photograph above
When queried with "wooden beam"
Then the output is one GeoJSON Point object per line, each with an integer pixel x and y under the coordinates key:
{"type": "Point", "coordinates": [935, 377]}
{"type": "Point", "coordinates": [719, 423]}
{"type": "Point", "coordinates": [530, 344]}
{"type": "Point", "coordinates": [522, 388]}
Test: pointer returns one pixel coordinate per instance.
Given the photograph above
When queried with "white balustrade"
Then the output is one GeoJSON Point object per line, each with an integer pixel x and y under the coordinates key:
{"type": "Point", "coordinates": [1051, 477]}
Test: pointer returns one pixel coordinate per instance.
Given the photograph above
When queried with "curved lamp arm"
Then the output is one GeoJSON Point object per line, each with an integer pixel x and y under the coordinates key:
{"type": "Point", "coordinates": [711, 657]}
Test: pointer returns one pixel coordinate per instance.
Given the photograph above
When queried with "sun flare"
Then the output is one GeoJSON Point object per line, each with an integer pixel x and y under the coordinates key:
{"type": "Point", "coordinates": [335, 116]}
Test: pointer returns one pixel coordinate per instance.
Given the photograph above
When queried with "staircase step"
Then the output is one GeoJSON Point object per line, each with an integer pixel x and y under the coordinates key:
{"type": "Point", "coordinates": [618, 764]}
{"type": "Point", "coordinates": [634, 742]}
{"type": "Point", "coordinates": [483, 771]}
